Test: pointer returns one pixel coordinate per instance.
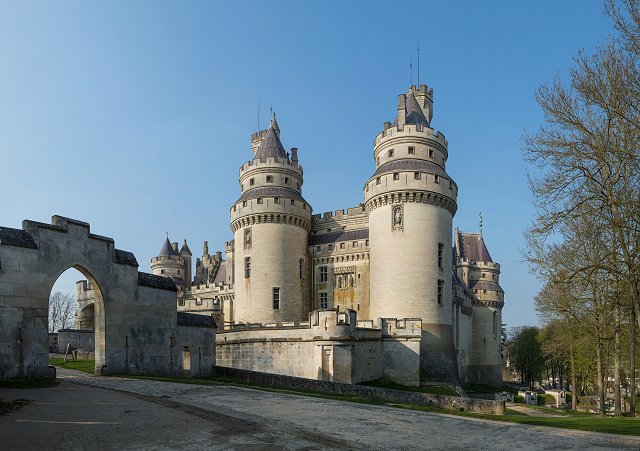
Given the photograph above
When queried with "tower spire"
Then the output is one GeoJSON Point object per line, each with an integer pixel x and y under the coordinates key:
{"type": "Point", "coordinates": [418, 60]}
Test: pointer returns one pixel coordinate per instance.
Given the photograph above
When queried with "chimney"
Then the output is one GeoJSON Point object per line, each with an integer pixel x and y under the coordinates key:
{"type": "Point", "coordinates": [402, 109]}
{"type": "Point", "coordinates": [175, 246]}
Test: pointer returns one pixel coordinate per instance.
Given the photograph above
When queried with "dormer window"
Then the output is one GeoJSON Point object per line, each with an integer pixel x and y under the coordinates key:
{"type": "Point", "coordinates": [269, 179]}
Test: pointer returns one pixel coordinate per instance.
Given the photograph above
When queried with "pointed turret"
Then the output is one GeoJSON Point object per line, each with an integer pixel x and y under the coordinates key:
{"type": "Point", "coordinates": [409, 111]}
{"type": "Point", "coordinates": [185, 249]}
{"type": "Point", "coordinates": [271, 147]}
{"type": "Point", "coordinates": [167, 249]}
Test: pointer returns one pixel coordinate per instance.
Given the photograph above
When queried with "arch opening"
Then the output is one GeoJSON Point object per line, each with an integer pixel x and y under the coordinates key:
{"type": "Point", "coordinates": [76, 317]}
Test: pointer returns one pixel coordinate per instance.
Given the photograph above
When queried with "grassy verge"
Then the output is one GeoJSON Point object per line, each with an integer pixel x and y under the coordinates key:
{"type": "Point", "coordinates": [8, 406]}
{"type": "Point", "coordinates": [436, 390]}
{"type": "Point", "coordinates": [28, 383]}
{"type": "Point", "coordinates": [87, 366]}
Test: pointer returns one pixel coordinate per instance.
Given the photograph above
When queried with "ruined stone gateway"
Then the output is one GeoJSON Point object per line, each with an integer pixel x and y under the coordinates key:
{"type": "Point", "coordinates": [137, 327]}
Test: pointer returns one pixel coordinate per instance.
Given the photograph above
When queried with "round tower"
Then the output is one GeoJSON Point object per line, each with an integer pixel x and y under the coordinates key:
{"type": "Point", "coordinates": [186, 255]}
{"type": "Point", "coordinates": [411, 201]}
{"type": "Point", "coordinates": [271, 223]}
{"type": "Point", "coordinates": [169, 263]}
{"type": "Point", "coordinates": [482, 277]}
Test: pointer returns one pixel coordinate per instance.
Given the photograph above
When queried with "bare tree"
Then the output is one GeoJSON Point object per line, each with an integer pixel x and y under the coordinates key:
{"type": "Point", "coordinates": [61, 311]}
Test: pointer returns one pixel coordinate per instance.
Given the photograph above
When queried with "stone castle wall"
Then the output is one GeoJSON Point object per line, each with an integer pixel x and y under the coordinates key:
{"type": "Point", "coordinates": [328, 347]}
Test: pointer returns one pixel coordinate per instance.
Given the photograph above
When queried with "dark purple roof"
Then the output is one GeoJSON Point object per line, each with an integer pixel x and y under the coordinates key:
{"type": "Point", "coordinates": [270, 147]}
{"type": "Point", "coordinates": [195, 320]}
{"type": "Point", "coordinates": [456, 279]}
{"type": "Point", "coordinates": [153, 281]}
{"type": "Point", "coordinates": [472, 247]}
{"type": "Point", "coordinates": [490, 285]}
{"type": "Point", "coordinates": [167, 249]}
{"type": "Point", "coordinates": [125, 258]}
{"type": "Point", "coordinates": [221, 275]}
{"type": "Point", "coordinates": [185, 249]}
{"type": "Point", "coordinates": [328, 238]}
{"type": "Point", "coordinates": [272, 191]}
{"type": "Point", "coordinates": [16, 237]}
{"type": "Point", "coordinates": [413, 113]}
{"type": "Point", "coordinates": [411, 164]}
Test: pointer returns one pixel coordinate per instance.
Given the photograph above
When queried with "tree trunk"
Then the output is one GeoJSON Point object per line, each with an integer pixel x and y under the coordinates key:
{"type": "Point", "coordinates": [616, 368]}
{"type": "Point", "coordinates": [632, 400]}
{"type": "Point", "coordinates": [600, 375]}
{"type": "Point", "coordinates": [574, 380]}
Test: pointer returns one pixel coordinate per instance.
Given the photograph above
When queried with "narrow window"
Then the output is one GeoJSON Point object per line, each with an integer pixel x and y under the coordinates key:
{"type": "Point", "coordinates": [318, 248]}
{"type": "Point", "coordinates": [304, 206]}
{"type": "Point", "coordinates": [252, 182]}
{"type": "Point", "coordinates": [244, 203]}
{"type": "Point", "coordinates": [162, 271]}
{"type": "Point", "coordinates": [269, 179]}
{"type": "Point", "coordinates": [436, 179]}
{"type": "Point", "coordinates": [293, 202]}
{"type": "Point", "coordinates": [396, 176]}
{"type": "Point", "coordinates": [484, 275]}
{"type": "Point", "coordinates": [390, 153]}
{"type": "Point", "coordinates": [412, 150]}
{"type": "Point", "coordinates": [354, 244]}
{"type": "Point", "coordinates": [330, 247]}
{"type": "Point", "coordinates": [259, 200]}
{"type": "Point", "coordinates": [341, 247]}
{"type": "Point", "coordinates": [323, 300]}
{"type": "Point", "coordinates": [301, 268]}
{"type": "Point", "coordinates": [416, 175]}
{"type": "Point", "coordinates": [178, 272]}
{"type": "Point", "coordinates": [323, 274]}
{"type": "Point", "coordinates": [430, 153]}
{"type": "Point", "coordinates": [276, 200]}
{"type": "Point", "coordinates": [286, 180]}
{"type": "Point", "coordinates": [378, 160]}
{"type": "Point", "coordinates": [247, 267]}
{"type": "Point", "coordinates": [366, 242]}
{"type": "Point", "coordinates": [377, 180]}
{"type": "Point", "coordinates": [440, 255]}
{"type": "Point", "coordinates": [440, 291]}
{"type": "Point", "coordinates": [276, 298]}
{"type": "Point", "coordinates": [298, 185]}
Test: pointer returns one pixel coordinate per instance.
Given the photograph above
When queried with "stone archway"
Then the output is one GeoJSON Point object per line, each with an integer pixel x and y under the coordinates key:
{"type": "Point", "coordinates": [138, 330]}
{"type": "Point", "coordinates": [99, 316]}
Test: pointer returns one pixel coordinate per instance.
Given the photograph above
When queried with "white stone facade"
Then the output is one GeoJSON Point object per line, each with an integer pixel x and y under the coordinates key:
{"type": "Point", "coordinates": [390, 257]}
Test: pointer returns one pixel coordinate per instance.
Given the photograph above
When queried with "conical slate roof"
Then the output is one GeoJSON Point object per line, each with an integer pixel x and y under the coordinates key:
{"type": "Point", "coordinates": [413, 113]}
{"type": "Point", "coordinates": [271, 147]}
{"type": "Point", "coordinates": [167, 250]}
{"type": "Point", "coordinates": [472, 247]}
{"type": "Point", "coordinates": [185, 249]}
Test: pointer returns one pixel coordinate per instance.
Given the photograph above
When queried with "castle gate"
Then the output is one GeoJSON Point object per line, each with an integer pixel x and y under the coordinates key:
{"type": "Point", "coordinates": [135, 313]}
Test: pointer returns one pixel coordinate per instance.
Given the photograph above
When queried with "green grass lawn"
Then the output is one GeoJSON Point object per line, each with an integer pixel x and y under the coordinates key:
{"type": "Point", "coordinates": [87, 366]}
{"type": "Point", "coordinates": [433, 389]}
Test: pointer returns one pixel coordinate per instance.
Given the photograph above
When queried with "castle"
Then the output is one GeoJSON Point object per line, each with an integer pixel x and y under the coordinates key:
{"type": "Point", "coordinates": [385, 265]}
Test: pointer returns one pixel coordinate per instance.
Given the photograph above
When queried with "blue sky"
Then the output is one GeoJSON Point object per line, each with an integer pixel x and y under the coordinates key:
{"type": "Point", "coordinates": [135, 116]}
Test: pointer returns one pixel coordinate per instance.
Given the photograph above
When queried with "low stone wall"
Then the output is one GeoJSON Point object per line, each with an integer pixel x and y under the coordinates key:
{"type": "Point", "coordinates": [382, 394]}
{"type": "Point", "coordinates": [83, 340]}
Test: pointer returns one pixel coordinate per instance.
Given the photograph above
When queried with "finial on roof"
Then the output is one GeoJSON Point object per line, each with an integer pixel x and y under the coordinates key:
{"type": "Point", "coordinates": [481, 224]}
{"type": "Point", "coordinates": [274, 123]}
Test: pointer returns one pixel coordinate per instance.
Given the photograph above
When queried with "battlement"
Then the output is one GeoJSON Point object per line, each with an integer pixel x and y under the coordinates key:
{"type": "Point", "coordinates": [481, 265]}
{"type": "Point", "coordinates": [270, 163]}
{"type": "Point", "coordinates": [330, 216]}
{"type": "Point", "coordinates": [177, 259]}
{"type": "Point", "coordinates": [423, 89]}
{"type": "Point", "coordinates": [229, 246]}
{"type": "Point", "coordinates": [391, 131]}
